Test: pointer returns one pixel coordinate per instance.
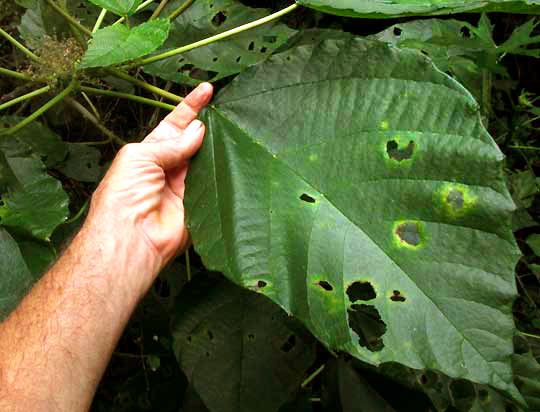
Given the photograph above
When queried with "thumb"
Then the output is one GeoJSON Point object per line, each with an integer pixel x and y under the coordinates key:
{"type": "Point", "coordinates": [172, 152]}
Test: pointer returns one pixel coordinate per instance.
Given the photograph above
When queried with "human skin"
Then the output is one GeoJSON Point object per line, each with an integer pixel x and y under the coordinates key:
{"type": "Point", "coordinates": [56, 345]}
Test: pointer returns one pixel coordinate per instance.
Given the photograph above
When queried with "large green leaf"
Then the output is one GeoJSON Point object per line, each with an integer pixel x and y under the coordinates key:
{"type": "Point", "coordinates": [230, 341]}
{"type": "Point", "coordinates": [205, 18]}
{"type": "Point", "coordinates": [118, 44]}
{"type": "Point", "coordinates": [120, 7]}
{"type": "Point", "coordinates": [386, 8]}
{"type": "Point", "coordinates": [354, 184]}
{"type": "Point", "coordinates": [35, 203]}
{"type": "Point", "coordinates": [15, 278]}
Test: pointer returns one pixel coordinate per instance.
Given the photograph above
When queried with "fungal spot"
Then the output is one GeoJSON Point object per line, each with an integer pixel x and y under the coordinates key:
{"type": "Point", "coordinates": [251, 46]}
{"type": "Point", "coordinates": [455, 198]}
{"type": "Point", "coordinates": [219, 19]}
{"type": "Point", "coordinates": [429, 378]}
{"type": "Point", "coordinates": [325, 285]}
{"type": "Point", "coordinates": [394, 152]}
{"type": "Point", "coordinates": [397, 296]}
{"type": "Point", "coordinates": [397, 31]}
{"type": "Point", "coordinates": [210, 335]}
{"type": "Point", "coordinates": [361, 291]}
{"type": "Point", "coordinates": [289, 344]}
{"type": "Point", "coordinates": [261, 284]}
{"type": "Point", "coordinates": [263, 49]}
{"type": "Point", "coordinates": [307, 198]}
{"type": "Point", "coordinates": [366, 321]}
{"type": "Point", "coordinates": [409, 233]}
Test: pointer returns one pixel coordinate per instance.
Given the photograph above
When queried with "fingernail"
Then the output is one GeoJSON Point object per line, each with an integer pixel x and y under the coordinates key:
{"type": "Point", "coordinates": [193, 127]}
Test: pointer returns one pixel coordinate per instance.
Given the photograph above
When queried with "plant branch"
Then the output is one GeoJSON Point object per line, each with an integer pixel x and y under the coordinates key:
{"type": "Point", "coordinates": [142, 6]}
{"type": "Point", "coordinates": [312, 376]}
{"type": "Point", "coordinates": [69, 18]}
{"type": "Point", "coordinates": [528, 334]}
{"type": "Point", "coordinates": [24, 97]}
{"type": "Point", "coordinates": [18, 45]}
{"type": "Point", "coordinates": [56, 99]}
{"type": "Point", "coordinates": [90, 117]}
{"type": "Point", "coordinates": [159, 9]}
{"type": "Point", "coordinates": [99, 20]}
{"type": "Point", "coordinates": [144, 85]}
{"type": "Point", "coordinates": [212, 39]}
{"type": "Point", "coordinates": [78, 215]}
{"type": "Point", "coordinates": [128, 96]}
{"type": "Point", "coordinates": [523, 147]}
{"type": "Point", "coordinates": [15, 74]}
{"type": "Point", "coordinates": [180, 10]}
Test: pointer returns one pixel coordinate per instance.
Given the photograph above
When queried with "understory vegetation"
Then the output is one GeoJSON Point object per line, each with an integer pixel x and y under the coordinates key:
{"type": "Point", "coordinates": [364, 210]}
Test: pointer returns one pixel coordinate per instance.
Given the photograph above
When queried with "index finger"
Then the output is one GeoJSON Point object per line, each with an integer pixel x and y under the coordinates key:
{"type": "Point", "coordinates": [187, 111]}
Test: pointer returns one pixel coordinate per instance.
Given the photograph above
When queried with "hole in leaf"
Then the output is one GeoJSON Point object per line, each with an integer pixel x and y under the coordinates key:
{"type": "Point", "coordinates": [251, 46]}
{"type": "Point", "coordinates": [215, 59]}
{"type": "Point", "coordinates": [219, 19]}
{"type": "Point", "coordinates": [289, 345]}
{"type": "Point", "coordinates": [288, 58]}
{"type": "Point", "coordinates": [207, 354]}
{"type": "Point", "coordinates": [429, 378]}
{"type": "Point", "coordinates": [483, 395]}
{"type": "Point", "coordinates": [180, 60]}
{"type": "Point", "coordinates": [189, 339]}
{"type": "Point", "coordinates": [397, 297]}
{"type": "Point", "coordinates": [462, 389]}
{"type": "Point", "coordinates": [307, 198]}
{"type": "Point", "coordinates": [270, 39]}
{"type": "Point", "coordinates": [238, 59]}
{"type": "Point", "coordinates": [397, 31]}
{"type": "Point", "coordinates": [394, 152]}
{"type": "Point", "coordinates": [366, 321]}
{"type": "Point", "coordinates": [251, 336]}
{"type": "Point", "coordinates": [210, 335]}
{"type": "Point", "coordinates": [361, 291]}
{"type": "Point", "coordinates": [409, 233]}
{"type": "Point", "coordinates": [455, 198]}
{"type": "Point", "coordinates": [263, 49]}
{"type": "Point", "coordinates": [211, 5]}
{"type": "Point", "coordinates": [203, 75]}
{"type": "Point", "coordinates": [261, 284]}
{"type": "Point", "coordinates": [88, 165]}
{"type": "Point", "coordinates": [325, 285]}
{"type": "Point", "coordinates": [186, 68]}
{"type": "Point", "coordinates": [465, 31]}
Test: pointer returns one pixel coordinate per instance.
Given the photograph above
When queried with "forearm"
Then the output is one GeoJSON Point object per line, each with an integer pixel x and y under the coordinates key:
{"type": "Point", "coordinates": [56, 345]}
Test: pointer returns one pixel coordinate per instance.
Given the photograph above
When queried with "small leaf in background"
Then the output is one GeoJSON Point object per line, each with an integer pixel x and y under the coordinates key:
{"type": "Point", "coordinates": [37, 255]}
{"type": "Point", "coordinates": [120, 7]}
{"type": "Point", "coordinates": [521, 36]}
{"type": "Point", "coordinates": [118, 44]}
{"type": "Point", "coordinates": [205, 18]}
{"type": "Point", "coordinates": [15, 278]}
{"type": "Point", "coordinates": [82, 163]}
{"type": "Point", "coordinates": [224, 336]}
{"type": "Point", "coordinates": [395, 8]}
{"type": "Point", "coordinates": [534, 242]}
{"type": "Point", "coordinates": [367, 195]}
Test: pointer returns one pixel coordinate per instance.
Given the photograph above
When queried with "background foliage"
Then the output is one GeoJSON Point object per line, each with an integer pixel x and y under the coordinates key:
{"type": "Point", "coordinates": [198, 342]}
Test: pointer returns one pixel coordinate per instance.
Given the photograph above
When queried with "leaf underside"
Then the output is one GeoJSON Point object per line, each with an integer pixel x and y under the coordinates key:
{"type": "Point", "coordinates": [117, 44]}
{"type": "Point", "coordinates": [363, 202]}
{"type": "Point", "coordinates": [120, 7]}
{"type": "Point", "coordinates": [385, 8]}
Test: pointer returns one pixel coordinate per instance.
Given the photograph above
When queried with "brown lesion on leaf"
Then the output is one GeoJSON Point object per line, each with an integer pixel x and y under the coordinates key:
{"type": "Point", "coordinates": [409, 233]}
{"type": "Point", "coordinates": [325, 285]}
{"type": "Point", "coordinates": [397, 296]}
{"type": "Point", "coordinates": [399, 154]}
{"type": "Point", "coordinates": [361, 291]}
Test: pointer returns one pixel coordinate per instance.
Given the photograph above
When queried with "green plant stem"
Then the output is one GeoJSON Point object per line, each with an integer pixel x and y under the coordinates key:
{"type": "Point", "coordinates": [94, 110]}
{"type": "Point", "coordinates": [142, 6]}
{"type": "Point", "coordinates": [15, 74]}
{"type": "Point", "coordinates": [99, 20]}
{"type": "Point", "coordinates": [69, 18]}
{"type": "Point", "coordinates": [180, 10]}
{"type": "Point", "coordinates": [188, 265]}
{"type": "Point", "coordinates": [529, 335]}
{"type": "Point", "coordinates": [18, 45]}
{"type": "Point", "coordinates": [144, 85]}
{"type": "Point", "coordinates": [523, 147]}
{"type": "Point", "coordinates": [128, 96]}
{"type": "Point", "coordinates": [213, 39]}
{"type": "Point", "coordinates": [312, 376]}
{"type": "Point", "coordinates": [56, 99]}
{"type": "Point", "coordinates": [89, 116]}
{"type": "Point", "coordinates": [79, 213]}
{"type": "Point", "coordinates": [25, 97]}
{"type": "Point", "coordinates": [159, 9]}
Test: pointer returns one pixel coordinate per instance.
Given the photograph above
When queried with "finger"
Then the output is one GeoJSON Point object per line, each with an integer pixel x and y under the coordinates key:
{"type": "Point", "coordinates": [176, 121]}
{"type": "Point", "coordinates": [171, 153]}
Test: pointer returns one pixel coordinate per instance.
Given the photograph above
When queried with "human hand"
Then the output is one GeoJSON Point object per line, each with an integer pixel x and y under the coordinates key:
{"type": "Point", "coordinates": [138, 207]}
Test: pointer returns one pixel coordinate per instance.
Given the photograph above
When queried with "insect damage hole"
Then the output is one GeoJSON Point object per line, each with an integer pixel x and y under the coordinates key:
{"type": "Point", "coordinates": [261, 284]}
{"type": "Point", "coordinates": [325, 285]}
{"type": "Point", "coordinates": [394, 152]}
{"type": "Point", "coordinates": [307, 198]}
{"type": "Point", "coordinates": [397, 31]}
{"type": "Point", "coordinates": [361, 291]}
{"type": "Point", "coordinates": [397, 296]}
{"type": "Point", "coordinates": [409, 233]}
{"type": "Point", "coordinates": [219, 19]}
{"type": "Point", "coordinates": [455, 199]}
{"type": "Point", "coordinates": [289, 344]}
{"type": "Point", "coordinates": [366, 321]}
